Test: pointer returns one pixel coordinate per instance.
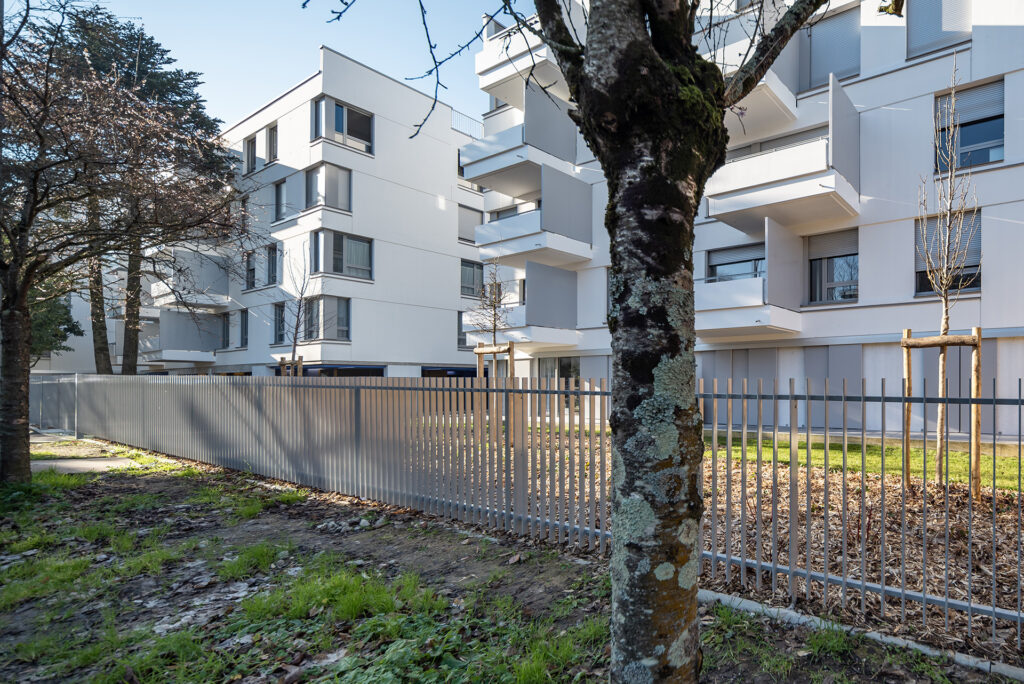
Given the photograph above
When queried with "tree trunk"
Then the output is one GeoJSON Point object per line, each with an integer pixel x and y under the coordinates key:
{"type": "Point", "coordinates": [98, 315]}
{"type": "Point", "coordinates": [16, 342]}
{"type": "Point", "coordinates": [132, 303]}
{"type": "Point", "coordinates": [940, 422]}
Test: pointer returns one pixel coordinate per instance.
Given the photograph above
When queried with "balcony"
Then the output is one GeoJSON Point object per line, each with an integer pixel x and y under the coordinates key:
{"type": "Point", "coordinates": [510, 160]}
{"type": "Point", "coordinates": [151, 351]}
{"type": "Point", "coordinates": [556, 235]}
{"type": "Point", "coordinates": [546, 320]}
{"type": "Point", "coordinates": [805, 182]}
{"type": "Point", "coordinates": [166, 295]}
{"type": "Point", "coordinates": [731, 308]}
{"type": "Point", "coordinates": [507, 54]}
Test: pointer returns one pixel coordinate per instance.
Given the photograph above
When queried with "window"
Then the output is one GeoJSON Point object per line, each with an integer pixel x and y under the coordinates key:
{"type": "Point", "coordinates": [279, 200]}
{"type": "Point", "coordinates": [832, 47]}
{"type": "Point", "coordinates": [469, 219]}
{"type": "Point", "coordinates": [935, 24]}
{"type": "Point", "coordinates": [343, 317]}
{"type": "Point", "coordinates": [250, 154]}
{"type": "Point", "coordinates": [271, 265]}
{"type": "Point", "coordinates": [462, 178]}
{"type": "Point", "coordinates": [970, 275]}
{"type": "Point", "coordinates": [319, 105]}
{"type": "Point", "coordinates": [979, 114]}
{"type": "Point", "coordinates": [353, 127]}
{"type": "Point", "coordinates": [314, 192]}
{"type": "Point", "coordinates": [243, 328]}
{"type": "Point", "coordinates": [507, 212]}
{"type": "Point", "coordinates": [315, 251]}
{"type": "Point", "coordinates": [311, 319]}
{"type": "Point", "coordinates": [736, 263]}
{"type": "Point", "coordinates": [279, 323]}
{"type": "Point", "coordinates": [250, 271]}
{"type": "Point", "coordinates": [833, 267]}
{"type": "Point", "coordinates": [472, 278]}
{"type": "Point", "coordinates": [522, 290]}
{"type": "Point", "coordinates": [329, 185]}
{"type": "Point", "coordinates": [272, 143]}
{"type": "Point", "coordinates": [243, 211]}
{"type": "Point", "coordinates": [350, 255]}
{"type": "Point", "coordinates": [225, 330]}
{"type": "Point", "coordinates": [460, 339]}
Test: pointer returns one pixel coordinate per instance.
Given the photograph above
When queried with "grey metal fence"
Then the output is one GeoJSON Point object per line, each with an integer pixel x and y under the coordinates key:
{"type": "Point", "coordinates": [798, 510]}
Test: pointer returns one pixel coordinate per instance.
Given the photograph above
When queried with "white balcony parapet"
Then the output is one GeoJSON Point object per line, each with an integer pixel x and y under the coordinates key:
{"type": "Point", "coordinates": [810, 181]}
{"type": "Point", "coordinates": [731, 308]}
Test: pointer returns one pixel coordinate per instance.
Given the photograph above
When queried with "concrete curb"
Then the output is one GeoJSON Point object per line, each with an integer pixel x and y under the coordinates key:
{"type": "Point", "coordinates": [794, 618]}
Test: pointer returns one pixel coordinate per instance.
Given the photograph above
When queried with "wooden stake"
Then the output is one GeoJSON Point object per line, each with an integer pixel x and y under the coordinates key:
{"type": "Point", "coordinates": [479, 362]}
{"type": "Point", "coordinates": [908, 390]}
{"type": "Point", "coordinates": [976, 416]}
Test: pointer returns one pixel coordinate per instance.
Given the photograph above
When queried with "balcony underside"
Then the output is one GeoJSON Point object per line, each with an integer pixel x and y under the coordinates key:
{"type": "Point", "coordinates": [765, 321]}
{"type": "Point", "coordinates": [529, 338]}
{"type": "Point", "coordinates": [543, 247]}
{"type": "Point", "coordinates": [191, 299]}
{"type": "Point", "coordinates": [170, 356]}
{"type": "Point", "coordinates": [826, 196]}
{"type": "Point", "coordinates": [770, 107]}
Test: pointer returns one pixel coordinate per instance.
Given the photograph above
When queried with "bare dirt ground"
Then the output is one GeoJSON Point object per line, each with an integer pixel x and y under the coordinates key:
{"type": "Point", "coordinates": [174, 571]}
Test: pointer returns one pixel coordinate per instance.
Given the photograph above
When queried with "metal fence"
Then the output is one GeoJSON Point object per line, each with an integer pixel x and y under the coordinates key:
{"type": "Point", "coordinates": [797, 510]}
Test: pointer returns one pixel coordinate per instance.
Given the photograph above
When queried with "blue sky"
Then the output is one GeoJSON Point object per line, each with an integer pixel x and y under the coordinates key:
{"type": "Point", "coordinates": [251, 50]}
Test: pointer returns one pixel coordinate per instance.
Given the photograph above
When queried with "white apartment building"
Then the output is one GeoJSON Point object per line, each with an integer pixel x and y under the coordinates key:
{"type": "Point", "coordinates": [369, 227]}
{"type": "Point", "coordinates": [805, 257]}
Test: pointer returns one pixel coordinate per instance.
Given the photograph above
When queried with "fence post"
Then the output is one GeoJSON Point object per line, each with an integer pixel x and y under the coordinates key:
{"type": "Point", "coordinates": [76, 406]}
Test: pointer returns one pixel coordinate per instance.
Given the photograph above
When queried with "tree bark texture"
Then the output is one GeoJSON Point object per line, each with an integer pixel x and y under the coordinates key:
{"type": "Point", "coordinates": [660, 134]}
{"type": "Point", "coordinates": [98, 316]}
{"type": "Point", "coordinates": [15, 364]}
{"type": "Point", "coordinates": [132, 302]}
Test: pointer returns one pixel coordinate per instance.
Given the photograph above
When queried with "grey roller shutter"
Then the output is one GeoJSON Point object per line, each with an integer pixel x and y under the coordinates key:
{"type": "Point", "coordinates": [834, 48]}
{"type": "Point", "coordinates": [469, 219]}
{"type": "Point", "coordinates": [832, 244]}
{"type": "Point", "coordinates": [972, 224]}
{"type": "Point", "coordinates": [974, 104]}
{"type": "Point", "coordinates": [735, 254]}
{"type": "Point", "coordinates": [933, 24]}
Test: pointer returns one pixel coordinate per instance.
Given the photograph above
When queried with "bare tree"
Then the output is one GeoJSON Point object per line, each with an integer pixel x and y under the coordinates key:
{"type": "Point", "coordinates": [490, 315]}
{"type": "Point", "coordinates": [945, 235]}
{"type": "Point", "coordinates": [651, 106]}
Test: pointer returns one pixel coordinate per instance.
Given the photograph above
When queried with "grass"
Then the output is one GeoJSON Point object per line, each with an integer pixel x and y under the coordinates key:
{"type": "Point", "coordinates": [250, 561]}
{"type": "Point", "coordinates": [1005, 468]}
{"type": "Point", "coordinates": [831, 642]}
{"type": "Point", "coordinates": [39, 577]}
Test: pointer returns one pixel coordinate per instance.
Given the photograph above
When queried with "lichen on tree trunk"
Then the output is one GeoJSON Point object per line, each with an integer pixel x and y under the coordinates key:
{"type": "Point", "coordinates": [661, 144]}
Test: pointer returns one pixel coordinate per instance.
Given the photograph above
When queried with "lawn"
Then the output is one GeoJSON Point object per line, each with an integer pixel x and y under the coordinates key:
{"type": "Point", "coordinates": [174, 571]}
{"type": "Point", "coordinates": [1007, 469]}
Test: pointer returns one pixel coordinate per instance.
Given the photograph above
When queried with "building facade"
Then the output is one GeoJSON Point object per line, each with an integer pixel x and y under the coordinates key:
{"type": "Point", "coordinates": [806, 257]}
{"type": "Point", "coordinates": [361, 240]}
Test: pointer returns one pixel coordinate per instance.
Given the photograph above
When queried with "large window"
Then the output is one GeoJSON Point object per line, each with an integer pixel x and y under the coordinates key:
{"type": "Point", "coordinates": [279, 323]}
{"type": "Point", "coordinates": [243, 328]}
{"type": "Point", "coordinates": [272, 143]}
{"type": "Point", "coordinates": [460, 336]}
{"type": "Point", "coordinates": [832, 47]}
{"type": "Point", "coordinates": [311, 318]}
{"type": "Point", "coordinates": [272, 260]}
{"type": "Point", "coordinates": [979, 112]}
{"type": "Point", "coordinates": [472, 278]}
{"type": "Point", "coordinates": [342, 253]}
{"type": "Point", "coordinates": [225, 330]}
{"type": "Point", "coordinates": [935, 24]}
{"type": "Point", "coordinates": [319, 106]}
{"type": "Point", "coordinates": [353, 127]}
{"type": "Point", "coordinates": [250, 154]}
{"type": "Point", "coordinates": [280, 198]}
{"type": "Point", "coordinates": [833, 261]}
{"type": "Point", "coordinates": [250, 271]}
{"type": "Point", "coordinates": [343, 318]}
{"type": "Point", "coordinates": [970, 246]}
{"type": "Point", "coordinates": [736, 263]}
{"type": "Point", "coordinates": [329, 185]}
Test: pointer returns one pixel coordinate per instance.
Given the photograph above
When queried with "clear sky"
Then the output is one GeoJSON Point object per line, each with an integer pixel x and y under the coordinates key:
{"type": "Point", "coordinates": [252, 50]}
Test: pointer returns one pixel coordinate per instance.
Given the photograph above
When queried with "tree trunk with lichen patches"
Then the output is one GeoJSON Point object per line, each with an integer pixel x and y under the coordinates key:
{"type": "Point", "coordinates": [667, 138]}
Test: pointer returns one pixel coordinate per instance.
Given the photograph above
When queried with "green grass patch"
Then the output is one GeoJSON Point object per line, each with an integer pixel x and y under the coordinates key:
{"type": "Point", "coordinates": [39, 577]}
{"type": "Point", "coordinates": [250, 561]}
{"type": "Point", "coordinates": [52, 480]}
{"type": "Point", "coordinates": [290, 497]}
{"type": "Point", "coordinates": [831, 642]}
{"type": "Point", "coordinates": [248, 507]}
{"type": "Point", "coordinates": [1005, 468]}
{"type": "Point", "coordinates": [39, 540]}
